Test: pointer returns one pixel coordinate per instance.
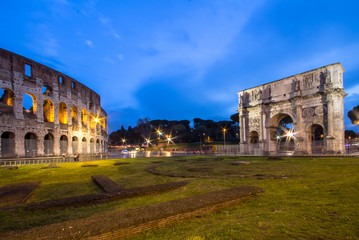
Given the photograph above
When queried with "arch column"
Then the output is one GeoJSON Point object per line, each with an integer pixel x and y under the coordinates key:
{"type": "Point", "coordinates": [56, 144]}
{"type": "Point", "coordinates": [18, 104]}
{"type": "Point", "coordinates": [41, 144]}
{"type": "Point", "coordinates": [299, 140]}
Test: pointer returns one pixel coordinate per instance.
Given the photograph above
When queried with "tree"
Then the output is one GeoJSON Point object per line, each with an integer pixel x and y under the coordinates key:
{"type": "Point", "coordinates": [354, 115]}
{"type": "Point", "coordinates": [235, 117]}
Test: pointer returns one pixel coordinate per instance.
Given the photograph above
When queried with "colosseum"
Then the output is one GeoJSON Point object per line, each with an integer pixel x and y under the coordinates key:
{"type": "Point", "coordinates": [43, 112]}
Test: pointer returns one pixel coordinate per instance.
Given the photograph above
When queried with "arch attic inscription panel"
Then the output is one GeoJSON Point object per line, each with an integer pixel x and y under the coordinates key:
{"type": "Point", "coordinates": [301, 114]}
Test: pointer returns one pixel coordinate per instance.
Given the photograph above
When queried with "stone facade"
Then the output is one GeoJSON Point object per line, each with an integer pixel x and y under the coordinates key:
{"type": "Point", "coordinates": [313, 100]}
{"type": "Point", "coordinates": [65, 117]}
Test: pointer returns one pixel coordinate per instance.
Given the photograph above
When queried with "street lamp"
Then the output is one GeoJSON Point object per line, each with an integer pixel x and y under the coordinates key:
{"type": "Point", "coordinates": [224, 130]}
{"type": "Point", "coordinates": [168, 139]}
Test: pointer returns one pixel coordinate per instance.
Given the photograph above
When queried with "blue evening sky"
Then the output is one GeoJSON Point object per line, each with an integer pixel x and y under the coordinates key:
{"type": "Point", "coordinates": [181, 59]}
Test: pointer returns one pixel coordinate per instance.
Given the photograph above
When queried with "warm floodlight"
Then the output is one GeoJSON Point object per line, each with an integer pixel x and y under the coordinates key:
{"type": "Point", "coordinates": [96, 120]}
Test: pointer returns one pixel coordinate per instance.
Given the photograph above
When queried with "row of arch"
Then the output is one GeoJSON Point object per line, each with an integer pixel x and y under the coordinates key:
{"type": "Point", "coordinates": [31, 145]}
{"type": "Point", "coordinates": [284, 134]}
{"type": "Point", "coordinates": [30, 107]}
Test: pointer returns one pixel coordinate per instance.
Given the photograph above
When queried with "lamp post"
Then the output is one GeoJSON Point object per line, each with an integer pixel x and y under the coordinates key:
{"type": "Point", "coordinates": [224, 136]}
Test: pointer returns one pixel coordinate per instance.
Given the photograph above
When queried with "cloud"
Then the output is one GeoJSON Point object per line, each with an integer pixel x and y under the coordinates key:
{"type": "Point", "coordinates": [353, 90]}
{"type": "Point", "coordinates": [89, 43]}
{"type": "Point", "coordinates": [187, 44]}
{"type": "Point", "coordinates": [120, 56]}
{"type": "Point", "coordinates": [108, 60]}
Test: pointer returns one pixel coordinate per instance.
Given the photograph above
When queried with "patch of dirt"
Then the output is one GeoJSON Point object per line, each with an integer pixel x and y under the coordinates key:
{"type": "Point", "coordinates": [9, 167]}
{"type": "Point", "coordinates": [89, 165]}
{"type": "Point", "coordinates": [240, 163]}
{"type": "Point", "coordinates": [121, 163]}
{"type": "Point", "coordinates": [154, 170]}
{"type": "Point", "coordinates": [51, 165]}
{"type": "Point", "coordinates": [106, 184]}
{"type": "Point", "coordinates": [181, 160]}
{"type": "Point", "coordinates": [202, 159]}
{"type": "Point", "coordinates": [106, 197]}
{"type": "Point", "coordinates": [199, 169]}
{"type": "Point", "coordinates": [157, 162]}
{"type": "Point", "coordinates": [116, 225]}
{"type": "Point", "coordinates": [275, 158]}
{"type": "Point", "coordinates": [15, 194]}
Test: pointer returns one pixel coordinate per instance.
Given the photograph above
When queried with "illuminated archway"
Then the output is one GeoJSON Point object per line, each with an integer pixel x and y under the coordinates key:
{"type": "Point", "coordinates": [74, 112]}
{"type": "Point", "coordinates": [29, 103]}
{"type": "Point", "coordinates": [48, 110]}
{"type": "Point", "coordinates": [284, 133]}
{"type": "Point", "coordinates": [63, 113]}
{"type": "Point", "coordinates": [84, 117]}
{"type": "Point", "coordinates": [7, 97]}
{"type": "Point", "coordinates": [92, 121]}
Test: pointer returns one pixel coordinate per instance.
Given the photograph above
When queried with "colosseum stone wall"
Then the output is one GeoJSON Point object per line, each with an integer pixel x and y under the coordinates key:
{"type": "Point", "coordinates": [43, 112]}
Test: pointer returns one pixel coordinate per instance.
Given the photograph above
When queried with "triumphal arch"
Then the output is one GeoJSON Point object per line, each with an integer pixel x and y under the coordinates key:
{"type": "Point", "coordinates": [301, 114]}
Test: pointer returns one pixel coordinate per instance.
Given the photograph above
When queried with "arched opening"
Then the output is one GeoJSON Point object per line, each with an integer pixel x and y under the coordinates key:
{"type": "Point", "coordinates": [285, 135]}
{"type": "Point", "coordinates": [63, 144]}
{"type": "Point", "coordinates": [317, 138]}
{"type": "Point", "coordinates": [63, 113]}
{"type": "Point", "coordinates": [97, 145]}
{"type": "Point", "coordinates": [49, 144]}
{"type": "Point", "coordinates": [92, 121]}
{"type": "Point", "coordinates": [74, 114]}
{"type": "Point", "coordinates": [75, 145]}
{"type": "Point", "coordinates": [29, 103]}
{"type": "Point", "coordinates": [253, 140]}
{"type": "Point", "coordinates": [7, 144]}
{"type": "Point", "coordinates": [281, 131]}
{"type": "Point", "coordinates": [84, 117]}
{"type": "Point", "coordinates": [48, 109]}
{"type": "Point", "coordinates": [92, 146]}
{"type": "Point", "coordinates": [30, 145]}
{"type": "Point", "coordinates": [46, 90]}
{"type": "Point", "coordinates": [253, 137]}
{"type": "Point", "coordinates": [7, 97]}
{"type": "Point", "coordinates": [84, 145]}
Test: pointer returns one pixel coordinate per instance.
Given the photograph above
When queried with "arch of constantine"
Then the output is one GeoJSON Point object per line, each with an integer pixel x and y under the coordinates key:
{"type": "Point", "coordinates": [301, 114]}
{"type": "Point", "coordinates": [43, 112]}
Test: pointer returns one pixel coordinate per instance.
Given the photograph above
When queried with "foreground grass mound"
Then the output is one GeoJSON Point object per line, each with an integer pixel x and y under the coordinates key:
{"type": "Point", "coordinates": [319, 200]}
{"type": "Point", "coordinates": [129, 222]}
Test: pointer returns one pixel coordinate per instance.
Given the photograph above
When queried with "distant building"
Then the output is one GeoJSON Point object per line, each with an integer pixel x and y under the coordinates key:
{"type": "Point", "coordinates": [43, 112]}
{"type": "Point", "coordinates": [301, 114]}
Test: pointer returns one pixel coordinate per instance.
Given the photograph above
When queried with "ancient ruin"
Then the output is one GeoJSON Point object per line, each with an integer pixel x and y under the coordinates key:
{"type": "Point", "coordinates": [301, 114]}
{"type": "Point", "coordinates": [45, 112]}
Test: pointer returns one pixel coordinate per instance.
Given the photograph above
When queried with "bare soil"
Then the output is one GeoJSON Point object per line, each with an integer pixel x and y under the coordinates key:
{"type": "Point", "coordinates": [15, 194]}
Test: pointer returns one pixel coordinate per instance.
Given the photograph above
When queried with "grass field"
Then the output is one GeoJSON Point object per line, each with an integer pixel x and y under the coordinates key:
{"type": "Point", "coordinates": [318, 200]}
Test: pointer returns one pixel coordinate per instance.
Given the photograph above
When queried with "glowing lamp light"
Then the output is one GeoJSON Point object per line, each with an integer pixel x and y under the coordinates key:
{"type": "Point", "coordinates": [290, 134]}
{"type": "Point", "coordinates": [97, 120]}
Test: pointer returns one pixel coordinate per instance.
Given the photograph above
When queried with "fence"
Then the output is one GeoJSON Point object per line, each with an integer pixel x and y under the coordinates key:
{"type": "Point", "coordinates": [47, 160]}
{"type": "Point", "coordinates": [228, 149]}
{"type": "Point", "coordinates": [352, 146]}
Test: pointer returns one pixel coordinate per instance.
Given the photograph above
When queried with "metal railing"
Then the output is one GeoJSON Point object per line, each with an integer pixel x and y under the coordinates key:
{"type": "Point", "coordinates": [48, 160]}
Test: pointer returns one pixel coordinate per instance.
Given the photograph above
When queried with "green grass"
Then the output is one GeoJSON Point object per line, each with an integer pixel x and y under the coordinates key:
{"type": "Point", "coordinates": [320, 201]}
